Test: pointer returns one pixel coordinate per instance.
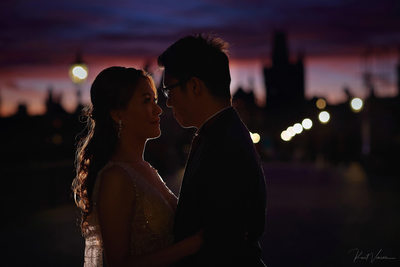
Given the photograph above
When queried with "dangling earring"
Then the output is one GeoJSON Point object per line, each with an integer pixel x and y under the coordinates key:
{"type": "Point", "coordinates": [119, 128]}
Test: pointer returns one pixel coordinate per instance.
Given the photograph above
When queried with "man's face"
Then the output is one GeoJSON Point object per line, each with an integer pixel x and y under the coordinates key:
{"type": "Point", "coordinates": [180, 100]}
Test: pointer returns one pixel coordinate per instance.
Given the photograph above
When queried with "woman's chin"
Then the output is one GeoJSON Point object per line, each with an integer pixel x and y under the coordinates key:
{"type": "Point", "coordinates": [155, 135]}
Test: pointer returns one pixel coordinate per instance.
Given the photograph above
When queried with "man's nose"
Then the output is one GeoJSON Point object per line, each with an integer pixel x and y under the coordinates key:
{"type": "Point", "coordinates": [169, 102]}
{"type": "Point", "coordinates": [158, 110]}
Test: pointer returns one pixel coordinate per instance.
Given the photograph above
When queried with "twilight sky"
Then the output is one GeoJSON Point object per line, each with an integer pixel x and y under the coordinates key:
{"type": "Point", "coordinates": [339, 38]}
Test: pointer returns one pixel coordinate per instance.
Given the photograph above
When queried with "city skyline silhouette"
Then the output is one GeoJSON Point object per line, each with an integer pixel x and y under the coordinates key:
{"type": "Point", "coordinates": [332, 189]}
{"type": "Point", "coordinates": [339, 41]}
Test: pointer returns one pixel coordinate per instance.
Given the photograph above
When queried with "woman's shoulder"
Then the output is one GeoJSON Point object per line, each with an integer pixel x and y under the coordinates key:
{"type": "Point", "coordinates": [113, 181]}
{"type": "Point", "coordinates": [116, 174]}
{"type": "Point", "coordinates": [118, 168]}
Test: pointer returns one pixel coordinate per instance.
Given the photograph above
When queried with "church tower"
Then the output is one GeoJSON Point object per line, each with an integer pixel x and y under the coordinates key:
{"type": "Point", "coordinates": [284, 80]}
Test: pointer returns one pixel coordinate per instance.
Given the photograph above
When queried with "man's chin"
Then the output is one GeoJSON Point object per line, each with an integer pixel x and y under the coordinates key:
{"type": "Point", "coordinates": [187, 126]}
{"type": "Point", "coordinates": [181, 122]}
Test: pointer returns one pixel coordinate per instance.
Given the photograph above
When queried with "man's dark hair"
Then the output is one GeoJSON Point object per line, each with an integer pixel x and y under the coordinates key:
{"type": "Point", "coordinates": [201, 56]}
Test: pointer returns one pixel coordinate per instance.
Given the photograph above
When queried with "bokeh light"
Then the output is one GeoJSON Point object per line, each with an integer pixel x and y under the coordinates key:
{"type": "Point", "coordinates": [321, 103]}
{"type": "Point", "coordinates": [285, 136]}
{"type": "Point", "coordinates": [255, 137]}
{"type": "Point", "coordinates": [324, 117]}
{"type": "Point", "coordinates": [307, 124]}
{"type": "Point", "coordinates": [356, 104]}
{"type": "Point", "coordinates": [78, 73]}
{"type": "Point", "coordinates": [291, 131]}
{"type": "Point", "coordinates": [298, 128]}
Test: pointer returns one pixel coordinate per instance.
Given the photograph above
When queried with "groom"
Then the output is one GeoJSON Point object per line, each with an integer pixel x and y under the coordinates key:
{"type": "Point", "coordinates": [223, 188]}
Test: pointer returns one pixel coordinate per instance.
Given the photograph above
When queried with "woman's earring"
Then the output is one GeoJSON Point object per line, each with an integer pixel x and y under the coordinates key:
{"type": "Point", "coordinates": [119, 128]}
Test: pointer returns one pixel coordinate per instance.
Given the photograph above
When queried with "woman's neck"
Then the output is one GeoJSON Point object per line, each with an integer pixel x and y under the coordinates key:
{"type": "Point", "coordinates": [129, 150]}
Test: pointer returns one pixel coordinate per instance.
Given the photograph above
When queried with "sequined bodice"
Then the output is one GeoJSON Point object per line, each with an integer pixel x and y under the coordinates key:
{"type": "Point", "coordinates": [151, 224]}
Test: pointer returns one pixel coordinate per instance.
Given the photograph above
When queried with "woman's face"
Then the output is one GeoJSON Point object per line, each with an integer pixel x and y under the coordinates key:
{"type": "Point", "coordinates": [141, 118]}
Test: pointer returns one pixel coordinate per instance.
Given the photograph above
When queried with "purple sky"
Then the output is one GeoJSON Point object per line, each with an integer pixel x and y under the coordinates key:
{"type": "Point", "coordinates": [38, 40]}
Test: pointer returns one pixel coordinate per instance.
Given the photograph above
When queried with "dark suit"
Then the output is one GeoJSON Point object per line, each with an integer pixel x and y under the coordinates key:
{"type": "Point", "coordinates": [223, 192]}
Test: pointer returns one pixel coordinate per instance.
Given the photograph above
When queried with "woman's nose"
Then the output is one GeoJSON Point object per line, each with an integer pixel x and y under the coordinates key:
{"type": "Point", "coordinates": [158, 110]}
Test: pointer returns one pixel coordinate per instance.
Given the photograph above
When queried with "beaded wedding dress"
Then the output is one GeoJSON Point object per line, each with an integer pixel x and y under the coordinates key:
{"type": "Point", "coordinates": [151, 225]}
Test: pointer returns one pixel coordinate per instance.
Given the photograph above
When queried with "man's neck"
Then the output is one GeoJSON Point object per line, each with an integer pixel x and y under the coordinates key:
{"type": "Point", "coordinates": [210, 112]}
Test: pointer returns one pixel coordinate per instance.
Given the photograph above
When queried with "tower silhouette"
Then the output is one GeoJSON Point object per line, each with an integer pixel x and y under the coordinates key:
{"type": "Point", "coordinates": [398, 74]}
{"type": "Point", "coordinates": [284, 80]}
{"type": "Point", "coordinates": [53, 103]}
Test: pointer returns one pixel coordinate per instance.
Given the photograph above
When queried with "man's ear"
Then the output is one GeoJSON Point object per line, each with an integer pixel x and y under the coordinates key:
{"type": "Point", "coordinates": [197, 85]}
{"type": "Point", "coordinates": [115, 115]}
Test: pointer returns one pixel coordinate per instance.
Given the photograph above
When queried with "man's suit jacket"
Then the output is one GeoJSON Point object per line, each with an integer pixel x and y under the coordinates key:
{"type": "Point", "coordinates": [223, 193]}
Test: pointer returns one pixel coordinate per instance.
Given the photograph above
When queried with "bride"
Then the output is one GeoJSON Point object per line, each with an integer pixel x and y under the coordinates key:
{"type": "Point", "coordinates": [127, 210]}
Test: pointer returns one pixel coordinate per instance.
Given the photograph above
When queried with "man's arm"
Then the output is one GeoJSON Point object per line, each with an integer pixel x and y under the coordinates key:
{"type": "Point", "coordinates": [225, 204]}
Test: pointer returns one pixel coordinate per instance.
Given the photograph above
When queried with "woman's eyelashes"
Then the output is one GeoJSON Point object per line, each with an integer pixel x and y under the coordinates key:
{"type": "Point", "coordinates": [151, 99]}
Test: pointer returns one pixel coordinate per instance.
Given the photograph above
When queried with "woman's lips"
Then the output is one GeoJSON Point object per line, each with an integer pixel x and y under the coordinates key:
{"type": "Point", "coordinates": [156, 121]}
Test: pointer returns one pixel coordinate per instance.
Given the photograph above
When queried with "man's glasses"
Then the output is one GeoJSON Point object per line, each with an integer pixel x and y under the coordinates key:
{"type": "Point", "coordinates": [167, 89]}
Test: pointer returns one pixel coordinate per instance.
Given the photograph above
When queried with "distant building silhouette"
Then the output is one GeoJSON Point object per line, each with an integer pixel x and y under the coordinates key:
{"type": "Point", "coordinates": [22, 111]}
{"type": "Point", "coordinates": [284, 80]}
{"type": "Point", "coordinates": [398, 76]}
{"type": "Point", "coordinates": [53, 103]}
{"type": "Point", "coordinates": [1, 102]}
{"type": "Point", "coordinates": [370, 136]}
{"type": "Point", "coordinates": [243, 98]}
{"type": "Point", "coordinates": [245, 104]}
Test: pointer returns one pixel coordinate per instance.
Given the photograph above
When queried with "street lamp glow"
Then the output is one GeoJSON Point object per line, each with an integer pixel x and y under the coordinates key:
{"type": "Point", "coordinates": [285, 136]}
{"type": "Point", "coordinates": [255, 137]}
{"type": "Point", "coordinates": [297, 128]}
{"type": "Point", "coordinates": [291, 131]}
{"type": "Point", "coordinates": [307, 124]}
{"type": "Point", "coordinates": [324, 117]}
{"type": "Point", "coordinates": [321, 103]}
{"type": "Point", "coordinates": [78, 73]}
{"type": "Point", "coordinates": [356, 104]}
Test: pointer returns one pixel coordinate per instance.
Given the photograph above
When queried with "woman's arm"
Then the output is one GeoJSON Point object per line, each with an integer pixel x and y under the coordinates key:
{"type": "Point", "coordinates": [172, 253]}
{"type": "Point", "coordinates": [115, 209]}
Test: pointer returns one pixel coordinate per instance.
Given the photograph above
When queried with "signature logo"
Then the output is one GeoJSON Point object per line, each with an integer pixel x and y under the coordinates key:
{"type": "Point", "coordinates": [360, 255]}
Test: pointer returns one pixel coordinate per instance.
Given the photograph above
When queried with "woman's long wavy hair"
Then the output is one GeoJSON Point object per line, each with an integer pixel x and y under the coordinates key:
{"type": "Point", "coordinates": [111, 90]}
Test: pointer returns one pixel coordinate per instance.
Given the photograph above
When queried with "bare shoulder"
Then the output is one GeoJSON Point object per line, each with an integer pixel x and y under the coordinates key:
{"type": "Point", "coordinates": [115, 179]}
